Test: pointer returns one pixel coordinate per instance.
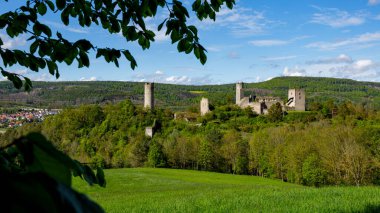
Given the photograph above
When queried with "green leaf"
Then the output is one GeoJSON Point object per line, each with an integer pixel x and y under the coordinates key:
{"type": "Point", "coordinates": [130, 58]}
{"type": "Point", "coordinates": [196, 51]}
{"type": "Point", "coordinates": [203, 56]}
{"type": "Point", "coordinates": [33, 47]}
{"type": "Point", "coordinates": [89, 175]}
{"type": "Point", "coordinates": [212, 15]}
{"type": "Point", "coordinates": [65, 16]}
{"type": "Point", "coordinates": [51, 5]}
{"type": "Point", "coordinates": [39, 28]}
{"type": "Point", "coordinates": [100, 177]}
{"type": "Point", "coordinates": [161, 25]}
{"type": "Point", "coordinates": [60, 4]}
{"type": "Point", "coordinates": [175, 36]}
{"type": "Point", "coordinates": [83, 44]}
{"type": "Point", "coordinates": [193, 29]}
{"type": "Point", "coordinates": [28, 84]}
{"type": "Point", "coordinates": [43, 162]}
{"type": "Point", "coordinates": [230, 3]}
{"type": "Point", "coordinates": [98, 4]}
{"type": "Point", "coordinates": [84, 58]}
{"type": "Point", "coordinates": [181, 45]}
{"type": "Point", "coordinates": [42, 9]}
{"type": "Point", "coordinates": [17, 83]}
{"type": "Point", "coordinates": [52, 67]}
{"type": "Point", "coordinates": [48, 151]}
{"type": "Point", "coordinates": [196, 5]}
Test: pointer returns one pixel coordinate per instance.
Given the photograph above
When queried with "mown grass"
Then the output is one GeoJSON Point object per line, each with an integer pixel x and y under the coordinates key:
{"type": "Point", "coordinates": [169, 190]}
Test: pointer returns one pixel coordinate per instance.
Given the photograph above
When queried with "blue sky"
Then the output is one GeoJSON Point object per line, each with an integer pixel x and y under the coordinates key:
{"type": "Point", "coordinates": [256, 41]}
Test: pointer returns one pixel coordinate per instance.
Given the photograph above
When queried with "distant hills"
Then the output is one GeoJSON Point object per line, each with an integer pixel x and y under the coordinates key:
{"type": "Point", "coordinates": [176, 97]}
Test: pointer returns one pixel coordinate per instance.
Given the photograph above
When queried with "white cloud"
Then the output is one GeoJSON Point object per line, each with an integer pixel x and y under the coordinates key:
{"type": "Point", "coordinates": [268, 43]}
{"type": "Point", "coordinates": [213, 49]}
{"type": "Point", "coordinates": [296, 71]}
{"type": "Point", "coordinates": [279, 58]}
{"type": "Point", "coordinates": [373, 2]}
{"type": "Point", "coordinates": [11, 43]}
{"type": "Point", "coordinates": [161, 77]}
{"type": "Point", "coordinates": [364, 64]}
{"type": "Point", "coordinates": [159, 72]}
{"type": "Point", "coordinates": [361, 69]}
{"type": "Point", "coordinates": [336, 18]}
{"type": "Point", "coordinates": [21, 72]}
{"type": "Point", "coordinates": [239, 21]}
{"type": "Point", "coordinates": [58, 25]}
{"type": "Point", "coordinates": [233, 55]}
{"type": "Point", "coordinates": [93, 78]}
{"type": "Point", "coordinates": [342, 58]}
{"type": "Point", "coordinates": [178, 79]}
{"type": "Point", "coordinates": [258, 78]}
{"type": "Point", "coordinates": [365, 40]}
{"type": "Point", "coordinates": [276, 42]}
{"type": "Point", "coordinates": [364, 69]}
{"type": "Point", "coordinates": [76, 30]}
{"type": "Point", "coordinates": [42, 77]}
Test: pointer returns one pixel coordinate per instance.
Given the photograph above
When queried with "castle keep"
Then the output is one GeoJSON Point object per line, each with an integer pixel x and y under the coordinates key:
{"type": "Point", "coordinates": [204, 106]}
{"type": "Point", "coordinates": [149, 95]}
{"type": "Point", "coordinates": [296, 99]}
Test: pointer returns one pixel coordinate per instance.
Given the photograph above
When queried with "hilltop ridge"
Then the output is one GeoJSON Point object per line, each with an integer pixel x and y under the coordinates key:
{"type": "Point", "coordinates": [73, 93]}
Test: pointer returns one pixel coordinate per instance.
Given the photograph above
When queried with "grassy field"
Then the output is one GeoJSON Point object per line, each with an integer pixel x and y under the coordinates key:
{"type": "Point", "coordinates": [169, 190]}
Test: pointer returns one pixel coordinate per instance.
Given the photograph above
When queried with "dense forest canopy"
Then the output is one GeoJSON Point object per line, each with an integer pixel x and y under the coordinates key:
{"type": "Point", "coordinates": [312, 148]}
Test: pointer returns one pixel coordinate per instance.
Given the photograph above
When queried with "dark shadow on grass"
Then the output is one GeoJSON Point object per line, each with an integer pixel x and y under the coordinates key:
{"type": "Point", "coordinates": [371, 208]}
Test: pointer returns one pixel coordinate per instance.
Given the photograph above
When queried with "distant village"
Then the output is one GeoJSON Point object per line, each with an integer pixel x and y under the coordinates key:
{"type": "Point", "coordinates": [12, 120]}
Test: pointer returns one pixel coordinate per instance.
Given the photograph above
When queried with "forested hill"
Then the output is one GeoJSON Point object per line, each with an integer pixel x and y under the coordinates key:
{"type": "Point", "coordinates": [63, 94]}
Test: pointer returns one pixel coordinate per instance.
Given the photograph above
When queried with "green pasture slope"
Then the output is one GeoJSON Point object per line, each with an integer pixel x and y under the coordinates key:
{"type": "Point", "coordinates": [169, 190]}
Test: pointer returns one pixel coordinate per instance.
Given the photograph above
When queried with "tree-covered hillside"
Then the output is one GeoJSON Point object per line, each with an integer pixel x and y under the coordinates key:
{"type": "Point", "coordinates": [63, 94]}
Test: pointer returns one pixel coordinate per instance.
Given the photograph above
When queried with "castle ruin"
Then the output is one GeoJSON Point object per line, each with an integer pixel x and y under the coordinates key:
{"type": "Point", "coordinates": [260, 105]}
{"type": "Point", "coordinates": [149, 95]}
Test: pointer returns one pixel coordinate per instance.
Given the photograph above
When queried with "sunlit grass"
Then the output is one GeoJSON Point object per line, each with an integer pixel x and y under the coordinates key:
{"type": "Point", "coordinates": [198, 92]}
{"type": "Point", "coordinates": [169, 190]}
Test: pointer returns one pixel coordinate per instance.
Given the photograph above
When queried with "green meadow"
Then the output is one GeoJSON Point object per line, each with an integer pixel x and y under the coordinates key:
{"type": "Point", "coordinates": [170, 190]}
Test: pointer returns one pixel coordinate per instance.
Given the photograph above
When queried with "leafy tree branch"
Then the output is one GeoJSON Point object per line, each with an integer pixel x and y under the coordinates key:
{"type": "Point", "coordinates": [128, 18]}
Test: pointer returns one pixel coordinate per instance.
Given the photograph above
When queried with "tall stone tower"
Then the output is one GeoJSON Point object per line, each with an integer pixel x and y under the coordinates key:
{"type": "Point", "coordinates": [239, 92]}
{"type": "Point", "coordinates": [296, 99]}
{"type": "Point", "coordinates": [149, 96]}
{"type": "Point", "coordinates": [204, 106]}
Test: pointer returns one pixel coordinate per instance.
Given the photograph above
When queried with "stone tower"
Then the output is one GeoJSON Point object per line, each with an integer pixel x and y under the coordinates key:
{"type": "Point", "coordinates": [296, 99]}
{"type": "Point", "coordinates": [239, 92]}
{"type": "Point", "coordinates": [204, 106]}
{"type": "Point", "coordinates": [149, 96]}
